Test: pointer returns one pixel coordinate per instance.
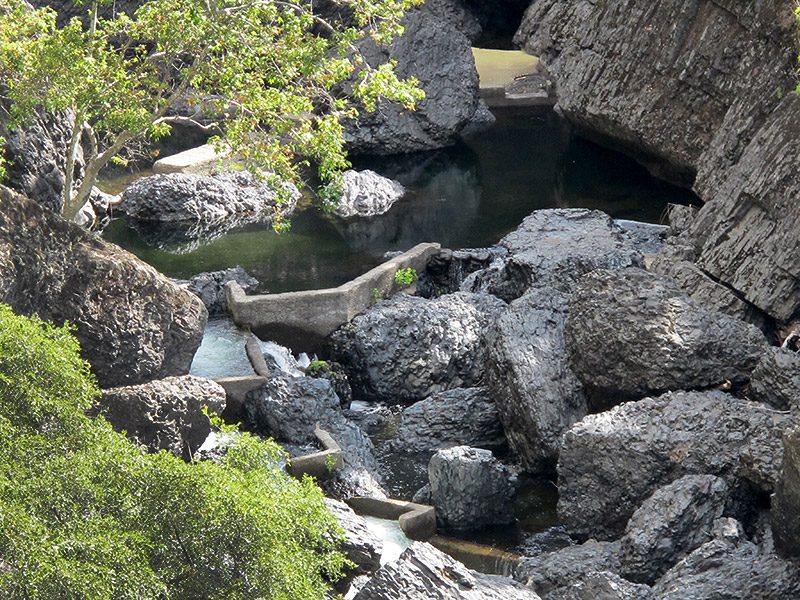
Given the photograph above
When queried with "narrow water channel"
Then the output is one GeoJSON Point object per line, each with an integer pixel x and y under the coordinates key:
{"type": "Point", "coordinates": [469, 195]}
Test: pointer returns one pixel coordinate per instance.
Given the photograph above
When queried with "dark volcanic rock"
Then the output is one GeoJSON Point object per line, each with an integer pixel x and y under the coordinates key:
{"type": "Point", "coordinates": [133, 323]}
{"type": "Point", "coordinates": [367, 194]}
{"type": "Point", "coordinates": [166, 414]}
{"type": "Point", "coordinates": [672, 522]}
{"type": "Point", "coordinates": [601, 585]}
{"type": "Point", "coordinates": [537, 395]}
{"type": "Point", "coordinates": [470, 489]}
{"type": "Point", "coordinates": [422, 572]}
{"type": "Point", "coordinates": [786, 501]}
{"type": "Point", "coordinates": [630, 333]}
{"type": "Point", "coordinates": [210, 287]}
{"type": "Point", "coordinates": [435, 52]}
{"type": "Point", "coordinates": [729, 570]}
{"type": "Point", "coordinates": [361, 546]}
{"type": "Point", "coordinates": [459, 417]}
{"type": "Point", "coordinates": [611, 462]}
{"type": "Point", "coordinates": [776, 379]}
{"type": "Point", "coordinates": [554, 248]}
{"type": "Point", "coordinates": [290, 408]}
{"type": "Point", "coordinates": [559, 569]}
{"type": "Point", "coordinates": [407, 348]}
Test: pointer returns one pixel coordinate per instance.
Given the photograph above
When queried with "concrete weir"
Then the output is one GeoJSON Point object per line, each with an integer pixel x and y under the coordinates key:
{"type": "Point", "coordinates": [302, 320]}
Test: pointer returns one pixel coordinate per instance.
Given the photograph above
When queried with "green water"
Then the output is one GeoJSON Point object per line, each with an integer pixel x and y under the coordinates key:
{"type": "Point", "coordinates": [469, 195]}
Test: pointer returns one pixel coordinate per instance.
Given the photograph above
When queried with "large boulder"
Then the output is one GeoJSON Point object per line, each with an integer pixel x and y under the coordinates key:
{"type": "Point", "coordinates": [632, 333]}
{"type": "Point", "coordinates": [361, 545]}
{"type": "Point", "coordinates": [407, 348]}
{"type": "Point", "coordinates": [538, 396]}
{"type": "Point", "coordinates": [422, 572]}
{"type": "Point", "coordinates": [470, 489]}
{"type": "Point", "coordinates": [724, 569]}
{"type": "Point", "coordinates": [366, 194]}
{"type": "Point", "coordinates": [776, 379]}
{"type": "Point", "coordinates": [210, 287]}
{"type": "Point", "coordinates": [167, 414]}
{"type": "Point", "coordinates": [786, 501]}
{"type": "Point", "coordinates": [459, 417]}
{"type": "Point", "coordinates": [554, 248]}
{"type": "Point", "coordinates": [612, 461]}
{"type": "Point", "coordinates": [554, 570]}
{"type": "Point", "coordinates": [134, 324]}
{"type": "Point", "coordinates": [289, 409]}
{"type": "Point", "coordinates": [600, 585]}
{"type": "Point", "coordinates": [435, 52]}
{"type": "Point", "coordinates": [672, 522]}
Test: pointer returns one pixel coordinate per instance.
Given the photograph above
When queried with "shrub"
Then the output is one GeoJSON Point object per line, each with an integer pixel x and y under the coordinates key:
{"type": "Point", "coordinates": [86, 514]}
{"type": "Point", "coordinates": [405, 277]}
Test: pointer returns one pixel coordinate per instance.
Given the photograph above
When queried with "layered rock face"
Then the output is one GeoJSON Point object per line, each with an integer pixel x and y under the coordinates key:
{"type": "Point", "coordinates": [133, 324]}
{"type": "Point", "coordinates": [702, 90]}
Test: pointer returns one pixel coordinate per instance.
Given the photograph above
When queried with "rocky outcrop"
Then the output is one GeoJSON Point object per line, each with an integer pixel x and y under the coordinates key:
{"type": "Point", "coordinates": [470, 489]}
{"type": "Point", "coordinates": [210, 287]}
{"type": "Point", "coordinates": [554, 248]}
{"type": "Point", "coordinates": [434, 51]}
{"type": "Point", "coordinates": [366, 194]}
{"type": "Point", "coordinates": [631, 333]}
{"type": "Point", "coordinates": [611, 462]}
{"type": "Point", "coordinates": [361, 546]}
{"type": "Point", "coordinates": [776, 379]}
{"type": "Point", "coordinates": [672, 522]}
{"type": "Point", "coordinates": [407, 348]}
{"type": "Point", "coordinates": [290, 408]}
{"type": "Point", "coordinates": [459, 417]}
{"type": "Point", "coordinates": [134, 325]}
{"type": "Point", "coordinates": [601, 585]}
{"type": "Point", "coordinates": [554, 570]}
{"type": "Point", "coordinates": [422, 570]}
{"type": "Point", "coordinates": [185, 197]}
{"type": "Point", "coordinates": [724, 569]}
{"type": "Point", "coordinates": [785, 515]}
{"type": "Point", "coordinates": [166, 414]}
{"type": "Point", "coordinates": [538, 396]}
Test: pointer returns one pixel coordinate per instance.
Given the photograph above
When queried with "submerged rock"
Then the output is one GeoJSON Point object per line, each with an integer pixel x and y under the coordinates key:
{"type": "Point", "coordinates": [554, 248]}
{"type": "Point", "coordinates": [612, 461]}
{"type": "Point", "coordinates": [367, 194]}
{"type": "Point", "coordinates": [632, 333]}
{"type": "Point", "coordinates": [422, 570]}
{"type": "Point", "coordinates": [133, 323]}
{"type": "Point", "coordinates": [459, 417]}
{"type": "Point", "coordinates": [166, 414]}
{"type": "Point", "coordinates": [407, 348]}
{"type": "Point", "coordinates": [210, 287]}
{"type": "Point", "coordinates": [538, 397]}
{"type": "Point", "coordinates": [290, 408]}
{"type": "Point", "coordinates": [672, 522]}
{"type": "Point", "coordinates": [470, 489]}
{"type": "Point", "coordinates": [187, 198]}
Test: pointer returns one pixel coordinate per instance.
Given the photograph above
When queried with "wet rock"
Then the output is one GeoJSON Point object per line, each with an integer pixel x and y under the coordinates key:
{"type": "Point", "coordinates": [210, 287]}
{"type": "Point", "coordinates": [672, 522]}
{"type": "Point", "coordinates": [166, 414]}
{"type": "Point", "coordinates": [601, 585]}
{"type": "Point", "coordinates": [289, 408]}
{"type": "Point", "coordinates": [133, 324]}
{"type": "Point", "coordinates": [361, 546]}
{"type": "Point", "coordinates": [435, 52]}
{"type": "Point", "coordinates": [554, 570]}
{"type": "Point", "coordinates": [537, 395]}
{"type": "Point", "coordinates": [366, 194]}
{"type": "Point", "coordinates": [470, 489]}
{"type": "Point", "coordinates": [422, 570]}
{"type": "Point", "coordinates": [407, 348]}
{"type": "Point", "coordinates": [447, 271]}
{"type": "Point", "coordinates": [337, 375]}
{"type": "Point", "coordinates": [611, 462]}
{"type": "Point", "coordinates": [456, 417]}
{"type": "Point", "coordinates": [776, 379]}
{"type": "Point", "coordinates": [554, 248]}
{"type": "Point", "coordinates": [542, 542]}
{"type": "Point", "coordinates": [630, 333]}
{"type": "Point", "coordinates": [729, 570]}
{"type": "Point", "coordinates": [786, 501]}
{"type": "Point", "coordinates": [423, 495]}
{"type": "Point", "coordinates": [182, 198]}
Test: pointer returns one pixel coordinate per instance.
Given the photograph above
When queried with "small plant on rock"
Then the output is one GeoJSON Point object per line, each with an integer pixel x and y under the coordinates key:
{"type": "Point", "coordinates": [405, 277]}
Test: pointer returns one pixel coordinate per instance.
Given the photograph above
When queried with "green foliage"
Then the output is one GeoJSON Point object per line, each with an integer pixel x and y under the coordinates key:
{"type": "Point", "coordinates": [3, 161]}
{"type": "Point", "coordinates": [85, 514]}
{"type": "Point", "coordinates": [273, 72]}
{"type": "Point", "coordinates": [405, 277]}
{"type": "Point", "coordinates": [317, 368]}
{"type": "Point", "coordinates": [376, 295]}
